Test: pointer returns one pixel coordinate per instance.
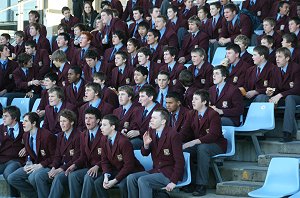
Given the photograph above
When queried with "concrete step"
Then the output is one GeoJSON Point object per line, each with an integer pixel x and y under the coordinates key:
{"type": "Point", "coordinates": [237, 188]}
{"type": "Point", "coordinates": [264, 160]}
{"type": "Point", "coordinates": [211, 193]}
{"type": "Point", "coordinates": [243, 171]}
{"type": "Point", "coordinates": [245, 149]}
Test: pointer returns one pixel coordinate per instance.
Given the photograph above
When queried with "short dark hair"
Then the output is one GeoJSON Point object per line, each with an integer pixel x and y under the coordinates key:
{"type": "Point", "coordinates": [121, 35]}
{"type": "Point", "coordinates": [36, 26]}
{"type": "Point", "coordinates": [144, 24]}
{"type": "Point", "coordinates": [172, 50]}
{"type": "Point", "coordinates": [96, 87]}
{"type": "Point", "coordinates": [269, 39]}
{"type": "Point", "coordinates": [100, 75]}
{"type": "Point", "coordinates": [91, 54]}
{"type": "Point", "coordinates": [164, 114]}
{"type": "Point", "coordinates": [52, 76]}
{"type": "Point", "coordinates": [33, 117]}
{"type": "Point", "coordinates": [291, 38]}
{"type": "Point", "coordinates": [138, 8]}
{"type": "Point", "coordinates": [63, 26]}
{"type": "Point", "coordinates": [77, 70]}
{"type": "Point", "coordinates": [6, 36]}
{"type": "Point", "coordinates": [65, 9]}
{"type": "Point", "coordinates": [155, 32]}
{"type": "Point", "coordinates": [232, 7]}
{"type": "Point", "coordinates": [217, 4]}
{"type": "Point", "coordinates": [285, 51]}
{"type": "Point", "coordinates": [149, 90]}
{"type": "Point", "coordinates": [112, 119]}
{"type": "Point", "coordinates": [145, 50]}
{"type": "Point", "coordinates": [134, 42]}
{"type": "Point", "coordinates": [81, 26]}
{"type": "Point", "coordinates": [107, 11]}
{"type": "Point", "coordinates": [262, 51]}
{"type": "Point", "coordinates": [236, 48]}
{"type": "Point", "coordinates": [295, 19]}
{"type": "Point", "coordinates": [122, 54]}
{"type": "Point", "coordinates": [59, 55]}
{"type": "Point", "coordinates": [174, 8]}
{"type": "Point", "coordinates": [143, 70]}
{"type": "Point", "coordinates": [13, 111]}
{"type": "Point", "coordinates": [24, 58]}
{"type": "Point", "coordinates": [93, 111]}
{"type": "Point", "coordinates": [162, 72]}
{"type": "Point", "coordinates": [204, 95]}
{"type": "Point", "coordinates": [59, 91]}
{"type": "Point", "coordinates": [31, 44]}
{"type": "Point", "coordinates": [65, 35]}
{"type": "Point", "coordinates": [20, 34]}
{"type": "Point", "coordinates": [224, 71]}
{"type": "Point", "coordinates": [36, 14]}
{"type": "Point", "coordinates": [186, 77]}
{"type": "Point", "coordinates": [70, 115]}
{"type": "Point", "coordinates": [177, 97]}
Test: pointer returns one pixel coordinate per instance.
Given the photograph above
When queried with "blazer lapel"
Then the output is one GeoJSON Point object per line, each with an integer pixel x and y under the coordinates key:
{"type": "Point", "coordinates": [161, 141]}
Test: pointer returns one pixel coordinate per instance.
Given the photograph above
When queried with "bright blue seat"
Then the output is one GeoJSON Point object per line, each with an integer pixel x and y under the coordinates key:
{"type": "Point", "coordinates": [219, 56]}
{"type": "Point", "coordinates": [22, 104]}
{"type": "Point", "coordinates": [250, 49]}
{"type": "Point", "coordinates": [147, 163]}
{"type": "Point", "coordinates": [187, 177]}
{"type": "Point", "coordinates": [260, 116]}
{"type": "Point", "coordinates": [282, 179]}
{"type": "Point", "coordinates": [228, 133]}
{"type": "Point", "coordinates": [3, 101]}
{"type": "Point", "coordinates": [36, 105]}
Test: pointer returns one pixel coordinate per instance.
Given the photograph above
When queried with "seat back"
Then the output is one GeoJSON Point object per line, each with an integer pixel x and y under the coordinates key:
{"type": "Point", "coordinates": [250, 49]}
{"type": "Point", "coordinates": [219, 56]}
{"type": "Point", "coordinates": [228, 133]}
{"type": "Point", "coordinates": [22, 104]}
{"type": "Point", "coordinates": [187, 177]}
{"type": "Point", "coordinates": [283, 171]}
{"type": "Point", "coordinates": [36, 105]}
{"type": "Point", "coordinates": [260, 116]}
{"type": "Point", "coordinates": [146, 161]}
{"type": "Point", "coordinates": [3, 101]}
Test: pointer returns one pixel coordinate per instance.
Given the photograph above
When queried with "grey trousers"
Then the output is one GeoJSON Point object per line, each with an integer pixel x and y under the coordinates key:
{"type": "Point", "coordinates": [18, 179]}
{"type": "Point", "coordinates": [290, 103]}
{"type": "Point", "coordinates": [202, 153]}
{"type": "Point", "coordinates": [44, 183]}
{"type": "Point", "coordinates": [6, 169]}
{"type": "Point", "coordinates": [75, 180]}
{"type": "Point", "coordinates": [88, 188]}
{"type": "Point", "coordinates": [137, 143]}
{"type": "Point", "coordinates": [103, 193]}
{"type": "Point", "coordinates": [142, 184]}
{"type": "Point", "coordinates": [59, 184]}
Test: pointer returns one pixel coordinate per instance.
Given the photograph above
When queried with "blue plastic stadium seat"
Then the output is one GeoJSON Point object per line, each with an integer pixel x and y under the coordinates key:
{"type": "Point", "coordinates": [219, 56]}
{"type": "Point", "coordinates": [228, 133]}
{"type": "Point", "coordinates": [22, 104]}
{"type": "Point", "coordinates": [250, 49]}
{"type": "Point", "coordinates": [36, 105]}
{"type": "Point", "coordinates": [282, 179]}
{"type": "Point", "coordinates": [3, 101]}
{"type": "Point", "coordinates": [260, 116]}
{"type": "Point", "coordinates": [146, 161]}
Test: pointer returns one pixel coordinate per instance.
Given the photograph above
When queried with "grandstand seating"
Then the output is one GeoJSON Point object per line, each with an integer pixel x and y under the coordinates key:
{"type": "Point", "coordinates": [3, 101]}
{"type": "Point", "coordinates": [22, 104]}
{"type": "Point", "coordinates": [36, 105]}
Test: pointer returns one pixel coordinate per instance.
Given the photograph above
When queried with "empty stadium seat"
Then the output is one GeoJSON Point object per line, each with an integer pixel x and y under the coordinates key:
{"type": "Point", "coordinates": [36, 105]}
{"type": "Point", "coordinates": [282, 179]}
{"type": "Point", "coordinates": [146, 161]}
{"type": "Point", "coordinates": [22, 104]}
{"type": "Point", "coordinates": [250, 49]}
{"type": "Point", "coordinates": [228, 133]}
{"type": "Point", "coordinates": [3, 101]}
{"type": "Point", "coordinates": [260, 116]}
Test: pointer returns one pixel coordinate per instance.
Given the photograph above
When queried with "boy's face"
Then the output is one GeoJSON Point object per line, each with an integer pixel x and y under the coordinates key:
{"type": "Point", "coordinates": [91, 62]}
{"type": "Point", "coordinates": [155, 12]}
{"type": "Point", "coordinates": [293, 27]}
{"type": "Point", "coordinates": [197, 102]}
{"type": "Point", "coordinates": [242, 46]}
{"type": "Point", "coordinates": [33, 31]}
{"type": "Point", "coordinates": [159, 23]}
{"type": "Point", "coordinates": [142, 58]}
{"type": "Point", "coordinates": [202, 15]}
{"type": "Point", "coordinates": [214, 11]}
{"type": "Point", "coordinates": [32, 18]}
{"type": "Point", "coordinates": [119, 61]}
{"type": "Point", "coordinates": [137, 15]}
{"type": "Point", "coordinates": [123, 98]}
{"type": "Point", "coordinates": [53, 99]}
{"type": "Point", "coordinates": [188, 4]}
{"type": "Point", "coordinates": [84, 41]}
{"type": "Point", "coordinates": [193, 27]}
{"type": "Point", "coordinates": [60, 40]}
{"type": "Point", "coordinates": [232, 56]}
{"type": "Point", "coordinates": [65, 124]}
{"type": "Point", "coordinates": [150, 38]}
{"type": "Point", "coordinates": [48, 83]}
{"type": "Point", "coordinates": [229, 15]}
{"type": "Point", "coordinates": [5, 52]}
{"type": "Point", "coordinates": [217, 77]}
{"type": "Point", "coordinates": [284, 43]}
{"type": "Point", "coordinates": [144, 99]}
{"type": "Point", "coordinates": [67, 14]}
{"type": "Point", "coordinates": [106, 128]}
{"type": "Point", "coordinates": [72, 77]}
{"type": "Point", "coordinates": [267, 27]}
{"type": "Point", "coordinates": [77, 31]}
{"type": "Point", "coordinates": [281, 60]}
{"type": "Point", "coordinates": [18, 39]}
{"type": "Point", "coordinates": [162, 81]}
{"type": "Point", "coordinates": [130, 47]}
{"type": "Point", "coordinates": [99, 24]}
{"type": "Point", "coordinates": [116, 40]}
{"type": "Point", "coordinates": [168, 58]}
{"type": "Point", "coordinates": [3, 40]}
{"type": "Point", "coordinates": [284, 10]}
{"type": "Point", "coordinates": [142, 31]}
{"type": "Point", "coordinates": [171, 14]}
{"type": "Point", "coordinates": [98, 81]}
{"type": "Point", "coordinates": [196, 58]}
{"type": "Point", "coordinates": [264, 42]}
{"type": "Point", "coordinates": [257, 59]}
{"type": "Point", "coordinates": [138, 77]}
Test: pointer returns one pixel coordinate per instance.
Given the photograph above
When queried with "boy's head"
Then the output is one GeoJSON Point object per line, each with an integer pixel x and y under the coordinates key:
{"type": "Point", "coordinates": [74, 74]}
{"type": "Point", "coordinates": [140, 75]}
{"type": "Point", "coordinates": [260, 54]}
{"type": "Point", "coordinates": [267, 41]}
{"type": "Point", "coordinates": [25, 60]}
{"type": "Point", "coordinates": [33, 16]}
{"type": "Point", "coordinates": [4, 51]}
{"type": "Point", "coordinates": [269, 24]}
{"type": "Point", "coordinates": [50, 80]}
{"type": "Point", "coordinates": [58, 57]}
{"type": "Point", "coordinates": [172, 12]}
{"type": "Point", "coordinates": [120, 58]}
{"type": "Point", "coordinates": [4, 39]}
{"type": "Point", "coordinates": [144, 54]}
{"type": "Point", "coordinates": [294, 25]}
{"type": "Point", "coordinates": [132, 45]}
{"type": "Point", "coordinates": [66, 12]}
{"type": "Point", "coordinates": [118, 37]}
{"type": "Point", "coordinates": [233, 52]}
{"type": "Point", "coordinates": [63, 40]}
{"type": "Point", "coordinates": [147, 95]}
{"type": "Point", "coordinates": [143, 28]}
{"type": "Point", "coordinates": [56, 95]}
{"type": "Point", "coordinates": [170, 54]}
{"type": "Point", "coordinates": [92, 91]}
{"type": "Point", "coordinates": [137, 13]}
{"type": "Point", "coordinates": [125, 95]}
{"type": "Point", "coordinates": [173, 101]}
{"type": "Point", "coordinates": [242, 41]}
{"type": "Point", "coordinates": [11, 114]}
{"type": "Point", "coordinates": [99, 78]}
{"type": "Point", "coordinates": [289, 40]}
{"type": "Point", "coordinates": [91, 58]}
{"type": "Point", "coordinates": [163, 79]}
{"type": "Point", "coordinates": [186, 78]}
{"type": "Point", "coordinates": [194, 24]}
{"type": "Point", "coordinates": [198, 55]}
{"type": "Point", "coordinates": [19, 36]}
{"type": "Point", "coordinates": [153, 36]}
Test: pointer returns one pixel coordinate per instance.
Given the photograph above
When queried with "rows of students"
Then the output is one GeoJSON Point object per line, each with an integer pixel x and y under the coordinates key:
{"type": "Point", "coordinates": [132, 79]}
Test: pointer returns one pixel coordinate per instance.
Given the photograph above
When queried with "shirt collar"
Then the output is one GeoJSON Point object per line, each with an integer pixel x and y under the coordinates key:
{"type": "Point", "coordinates": [96, 103]}
{"type": "Point", "coordinates": [58, 106]}
{"type": "Point", "coordinates": [16, 127]}
{"type": "Point", "coordinates": [174, 20]}
{"type": "Point", "coordinates": [162, 31]}
{"type": "Point", "coordinates": [77, 85]}
{"type": "Point", "coordinates": [113, 138]}
{"type": "Point", "coordinates": [216, 17]}
{"type": "Point", "coordinates": [118, 46]}
{"type": "Point", "coordinates": [68, 133]}
{"type": "Point", "coordinates": [154, 46]}
{"type": "Point", "coordinates": [127, 106]}
{"type": "Point", "coordinates": [261, 66]}
{"type": "Point", "coordinates": [34, 134]}
{"type": "Point", "coordinates": [234, 20]}
{"type": "Point", "coordinates": [37, 37]}
{"type": "Point", "coordinates": [62, 67]}
{"type": "Point", "coordinates": [150, 107]}
{"type": "Point", "coordinates": [172, 65]}
{"type": "Point", "coordinates": [284, 68]}
{"type": "Point", "coordinates": [94, 131]}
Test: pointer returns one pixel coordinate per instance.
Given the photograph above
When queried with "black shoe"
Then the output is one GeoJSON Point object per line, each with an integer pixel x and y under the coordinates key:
{"type": "Point", "coordinates": [188, 189]}
{"type": "Point", "coordinates": [200, 190]}
{"type": "Point", "coordinates": [287, 137]}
